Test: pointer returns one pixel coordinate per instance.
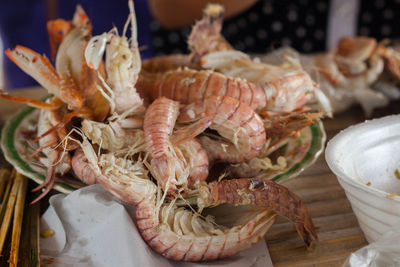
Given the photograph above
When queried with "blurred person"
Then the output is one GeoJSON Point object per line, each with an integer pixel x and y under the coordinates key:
{"type": "Point", "coordinates": [261, 26]}
{"type": "Point", "coordinates": [252, 26]}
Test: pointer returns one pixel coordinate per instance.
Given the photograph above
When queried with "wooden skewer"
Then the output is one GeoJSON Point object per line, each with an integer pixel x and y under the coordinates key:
{"type": "Point", "coordinates": [5, 197]}
{"type": "Point", "coordinates": [18, 215]}
{"type": "Point", "coordinates": [34, 238]}
{"type": "Point", "coordinates": [9, 211]}
{"type": "Point", "coordinates": [30, 247]}
{"type": "Point", "coordinates": [4, 177]}
{"type": "Point", "coordinates": [25, 255]}
{"type": "Point", "coordinates": [29, 255]}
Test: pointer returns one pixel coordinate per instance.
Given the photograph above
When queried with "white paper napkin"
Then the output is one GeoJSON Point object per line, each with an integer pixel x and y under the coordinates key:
{"type": "Point", "coordinates": [93, 228]}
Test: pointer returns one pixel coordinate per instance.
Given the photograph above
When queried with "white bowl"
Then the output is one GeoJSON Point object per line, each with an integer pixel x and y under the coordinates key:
{"type": "Point", "coordinates": [364, 158]}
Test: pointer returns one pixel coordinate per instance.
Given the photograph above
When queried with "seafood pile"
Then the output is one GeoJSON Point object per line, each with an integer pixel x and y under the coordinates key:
{"type": "Point", "coordinates": [359, 70]}
{"type": "Point", "coordinates": [150, 132]}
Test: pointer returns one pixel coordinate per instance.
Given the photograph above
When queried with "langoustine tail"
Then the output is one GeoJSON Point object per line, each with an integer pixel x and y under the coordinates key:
{"type": "Point", "coordinates": [40, 68]}
{"type": "Point", "coordinates": [179, 234]}
{"type": "Point", "coordinates": [82, 169]}
{"type": "Point", "coordinates": [263, 193]}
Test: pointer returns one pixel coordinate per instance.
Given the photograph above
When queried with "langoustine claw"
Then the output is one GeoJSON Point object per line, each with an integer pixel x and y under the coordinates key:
{"type": "Point", "coordinates": [40, 68]}
{"type": "Point", "coordinates": [263, 193]}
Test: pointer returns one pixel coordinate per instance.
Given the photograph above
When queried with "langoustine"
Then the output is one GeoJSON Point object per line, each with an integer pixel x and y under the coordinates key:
{"type": "Point", "coordinates": [176, 233]}
{"type": "Point", "coordinates": [167, 164]}
{"type": "Point", "coordinates": [187, 86]}
{"type": "Point", "coordinates": [206, 35]}
{"type": "Point", "coordinates": [179, 234]}
{"type": "Point", "coordinates": [285, 91]}
{"type": "Point", "coordinates": [70, 81]}
{"type": "Point", "coordinates": [122, 63]}
{"type": "Point", "coordinates": [289, 85]}
{"type": "Point", "coordinates": [175, 160]}
{"type": "Point", "coordinates": [358, 70]}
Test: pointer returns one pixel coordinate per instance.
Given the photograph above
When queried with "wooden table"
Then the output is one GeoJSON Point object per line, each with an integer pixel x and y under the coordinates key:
{"type": "Point", "coordinates": [337, 227]}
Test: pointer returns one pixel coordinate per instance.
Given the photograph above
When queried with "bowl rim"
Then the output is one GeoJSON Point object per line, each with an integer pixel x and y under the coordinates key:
{"type": "Point", "coordinates": [340, 138]}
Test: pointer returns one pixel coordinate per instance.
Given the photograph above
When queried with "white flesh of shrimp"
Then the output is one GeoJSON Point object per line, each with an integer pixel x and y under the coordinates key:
{"type": "Point", "coordinates": [123, 65]}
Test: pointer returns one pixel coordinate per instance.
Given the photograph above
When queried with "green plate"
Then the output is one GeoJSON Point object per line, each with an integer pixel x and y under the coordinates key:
{"type": "Point", "coordinates": [300, 152]}
{"type": "Point", "coordinates": [17, 149]}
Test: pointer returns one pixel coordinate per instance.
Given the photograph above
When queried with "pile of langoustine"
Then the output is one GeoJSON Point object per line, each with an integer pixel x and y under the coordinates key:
{"type": "Point", "coordinates": [149, 132]}
{"type": "Point", "coordinates": [362, 70]}
{"type": "Point", "coordinates": [358, 70]}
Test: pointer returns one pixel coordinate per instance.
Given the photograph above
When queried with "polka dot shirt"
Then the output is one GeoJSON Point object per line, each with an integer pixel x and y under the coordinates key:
{"type": "Point", "coordinates": [265, 26]}
{"type": "Point", "coordinates": [378, 18]}
{"type": "Point", "coordinates": [270, 24]}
